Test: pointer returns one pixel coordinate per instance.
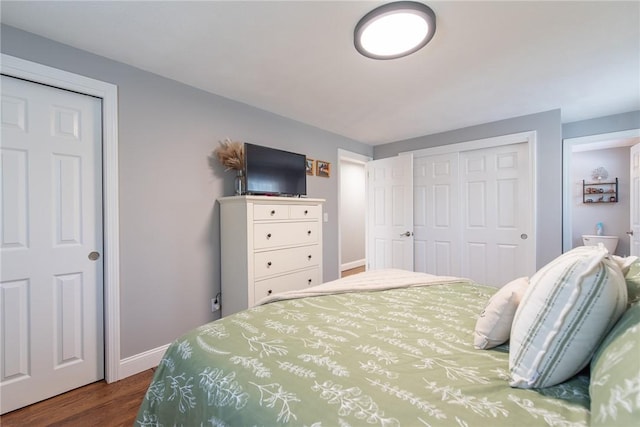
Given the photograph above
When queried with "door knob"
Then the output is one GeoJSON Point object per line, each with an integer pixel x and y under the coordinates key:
{"type": "Point", "coordinates": [93, 256]}
{"type": "Point", "coordinates": [630, 233]}
{"type": "Point", "coordinates": [406, 234]}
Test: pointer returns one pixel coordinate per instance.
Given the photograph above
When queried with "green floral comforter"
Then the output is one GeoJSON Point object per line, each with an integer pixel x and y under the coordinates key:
{"type": "Point", "coordinates": [396, 357]}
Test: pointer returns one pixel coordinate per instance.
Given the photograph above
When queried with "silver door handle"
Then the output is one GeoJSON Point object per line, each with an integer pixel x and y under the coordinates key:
{"type": "Point", "coordinates": [630, 233]}
{"type": "Point", "coordinates": [93, 256]}
{"type": "Point", "coordinates": [406, 234]}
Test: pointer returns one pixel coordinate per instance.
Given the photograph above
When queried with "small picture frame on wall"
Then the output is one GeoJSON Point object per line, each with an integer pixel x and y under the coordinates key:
{"type": "Point", "coordinates": [310, 166]}
{"type": "Point", "coordinates": [323, 168]}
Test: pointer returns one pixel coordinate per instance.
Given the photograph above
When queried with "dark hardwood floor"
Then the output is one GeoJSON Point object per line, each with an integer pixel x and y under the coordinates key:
{"type": "Point", "coordinates": [97, 404]}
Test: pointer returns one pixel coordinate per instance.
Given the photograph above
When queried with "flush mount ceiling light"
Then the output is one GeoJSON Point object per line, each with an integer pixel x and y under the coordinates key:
{"type": "Point", "coordinates": [395, 30]}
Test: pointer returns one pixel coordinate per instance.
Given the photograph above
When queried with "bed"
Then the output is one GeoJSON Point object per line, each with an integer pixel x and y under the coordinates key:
{"type": "Point", "coordinates": [387, 348]}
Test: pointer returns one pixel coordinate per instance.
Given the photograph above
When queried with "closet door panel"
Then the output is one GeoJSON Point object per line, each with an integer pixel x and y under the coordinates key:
{"type": "Point", "coordinates": [437, 230]}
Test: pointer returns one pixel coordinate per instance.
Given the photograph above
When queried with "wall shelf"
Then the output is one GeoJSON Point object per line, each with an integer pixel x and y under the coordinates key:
{"type": "Point", "coordinates": [599, 192]}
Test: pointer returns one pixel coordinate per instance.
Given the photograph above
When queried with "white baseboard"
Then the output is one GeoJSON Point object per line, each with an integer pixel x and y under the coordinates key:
{"type": "Point", "coordinates": [353, 264]}
{"type": "Point", "coordinates": [141, 362]}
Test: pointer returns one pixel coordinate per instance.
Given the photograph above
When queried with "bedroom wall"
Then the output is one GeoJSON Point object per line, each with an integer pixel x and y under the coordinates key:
{"type": "Point", "coordinates": [548, 173]}
{"type": "Point", "coordinates": [600, 125]}
{"type": "Point", "coordinates": [169, 221]}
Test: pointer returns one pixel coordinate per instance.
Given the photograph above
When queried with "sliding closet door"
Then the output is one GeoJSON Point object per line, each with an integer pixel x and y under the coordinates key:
{"type": "Point", "coordinates": [437, 222]}
{"type": "Point", "coordinates": [496, 214]}
{"type": "Point", "coordinates": [473, 214]}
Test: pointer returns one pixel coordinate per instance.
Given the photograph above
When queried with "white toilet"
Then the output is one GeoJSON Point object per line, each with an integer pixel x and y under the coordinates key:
{"type": "Point", "coordinates": [609, 242]}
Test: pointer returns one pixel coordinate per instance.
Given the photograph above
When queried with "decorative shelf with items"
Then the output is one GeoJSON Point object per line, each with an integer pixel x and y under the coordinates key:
{"type": "Point", "coordinates": [600, 192]}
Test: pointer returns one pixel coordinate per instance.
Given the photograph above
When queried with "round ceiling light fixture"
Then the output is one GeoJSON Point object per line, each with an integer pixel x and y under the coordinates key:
{"type": "Point", "coordinates": [395, 30]}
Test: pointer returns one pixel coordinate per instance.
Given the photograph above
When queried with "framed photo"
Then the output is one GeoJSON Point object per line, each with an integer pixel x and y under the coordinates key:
{"type": "Point", "coordinates": [310, 166]}
{"type": "Point", "coordinates": [323, 168]}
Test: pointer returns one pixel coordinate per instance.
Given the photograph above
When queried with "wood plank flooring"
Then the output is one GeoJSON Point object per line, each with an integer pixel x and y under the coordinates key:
{"type": "Point", "coordinates": [97, 404]}
{"type": "Point", "coordinates": [352, 271]}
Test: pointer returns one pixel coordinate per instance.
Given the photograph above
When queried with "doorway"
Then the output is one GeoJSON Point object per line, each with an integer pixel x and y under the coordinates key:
{"type": "Point", "coordinates": [581, 156]}
{"type": "Point", "coordinates": [352, 211]}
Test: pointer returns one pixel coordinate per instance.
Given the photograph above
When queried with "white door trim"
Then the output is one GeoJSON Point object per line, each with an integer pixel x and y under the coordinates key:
{"type": "Point", "coordinates": [108, 92]}
{"type": "Point", "coordinates": [495, 141]}
{"type": "Point", "coordinates": [567, 150]}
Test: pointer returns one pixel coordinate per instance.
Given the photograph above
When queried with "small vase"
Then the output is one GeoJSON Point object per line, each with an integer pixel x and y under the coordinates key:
{"type": "Point", "coordinates": [240, 183]}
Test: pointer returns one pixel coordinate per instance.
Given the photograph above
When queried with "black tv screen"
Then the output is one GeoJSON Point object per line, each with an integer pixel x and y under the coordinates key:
{"type": "Point", "coordinates": [274, 172]}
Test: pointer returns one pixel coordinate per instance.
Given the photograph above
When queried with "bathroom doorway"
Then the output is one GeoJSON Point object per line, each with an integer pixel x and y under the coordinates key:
{"type": "Point", "coordinates": [583, 159]}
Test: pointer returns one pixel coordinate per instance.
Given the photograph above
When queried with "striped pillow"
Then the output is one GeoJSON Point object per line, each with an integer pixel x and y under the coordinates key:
{"type": "Point", "coordinates": [631, 276]}
{"type": "Point", "coordinates": [568, 307]}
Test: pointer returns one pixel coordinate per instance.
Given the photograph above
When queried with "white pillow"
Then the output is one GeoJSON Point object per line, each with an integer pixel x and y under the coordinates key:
{"type": "Point", "coordinates": [494, 324]}
{"type": "Point", "coordinates": [568, 307]}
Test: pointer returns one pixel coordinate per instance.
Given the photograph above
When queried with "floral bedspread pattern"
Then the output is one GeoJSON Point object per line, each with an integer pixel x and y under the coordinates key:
{"type": "Point", "coordinates": [387, 358]}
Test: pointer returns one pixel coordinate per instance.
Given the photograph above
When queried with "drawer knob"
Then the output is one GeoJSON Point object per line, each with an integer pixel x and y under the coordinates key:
{"type": "Point", "coordinates": [306, 211]}
{"type": "Point", "coordinates": [269, 264]}
{"type": "Point", "coordinates": [308, 232]}
{"type": "Point", "coordinates": [269, 292]}
{"type": "Point", "coordinates": [268, 236]}
{"type": "Point", "coordinates": [309, 256]}
{"type": "Point", "coordinates": [309, 281]}
{"type": "Point", "coordinates": [273, 212]}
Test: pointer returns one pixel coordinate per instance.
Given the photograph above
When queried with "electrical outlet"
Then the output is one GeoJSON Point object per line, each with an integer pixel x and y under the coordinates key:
{"type": "Point", "coordinates": [215, 305]}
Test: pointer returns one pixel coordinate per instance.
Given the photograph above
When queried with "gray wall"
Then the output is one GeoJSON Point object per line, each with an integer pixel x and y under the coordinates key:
{"type": "Point", "coordinates": [548, 173]}
{"type": "Point", "coordinates": [169, 221]}
{"type": "Point", "coordinates": [608, 124]}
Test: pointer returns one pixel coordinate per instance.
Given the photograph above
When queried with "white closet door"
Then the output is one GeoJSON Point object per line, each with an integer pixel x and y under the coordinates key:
{"type": "Point", "coordinates": [437, 222]}
{"type": "Point", "coordinates": [51, 291]}
{"type": "Point", "coordinates": [474, 214]}
{"type": "Point", "coordinates": [390, 213]}
{"type": "Point", "coordinates": [496, 214]}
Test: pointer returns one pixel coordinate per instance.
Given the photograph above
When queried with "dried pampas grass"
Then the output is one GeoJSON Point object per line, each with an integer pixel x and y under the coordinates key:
{"type": "Point", "coordinates": [230, 154]}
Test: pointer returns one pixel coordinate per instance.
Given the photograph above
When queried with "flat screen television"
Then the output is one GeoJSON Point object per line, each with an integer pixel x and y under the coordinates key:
{"type": "Point", "coordinates": [269, 171]}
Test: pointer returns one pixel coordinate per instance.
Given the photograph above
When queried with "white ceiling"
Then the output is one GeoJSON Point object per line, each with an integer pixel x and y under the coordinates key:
{"type": "Point", "coordinates": [488, 60]}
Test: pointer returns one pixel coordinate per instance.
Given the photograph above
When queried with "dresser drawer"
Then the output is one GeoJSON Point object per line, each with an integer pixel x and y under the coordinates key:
{"type": "Point", "coordinates": [266, 212]}
{"type": "Point", "coordinates": [277, 234]}
{"type": "Point", "coordinates": [289, 282]}
{"type": "Point", "coordinates": [282, 260]}
{"type": "Point", "coordinates": [304, 212]}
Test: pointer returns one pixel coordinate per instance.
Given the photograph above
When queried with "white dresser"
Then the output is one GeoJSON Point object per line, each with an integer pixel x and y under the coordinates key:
{"type": "Point", "coordinates": [268, 245]}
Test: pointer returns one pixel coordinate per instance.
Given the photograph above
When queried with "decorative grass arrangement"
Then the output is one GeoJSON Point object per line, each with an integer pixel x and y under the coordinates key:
{"type": "Point", "coordinates": [230, 154]}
